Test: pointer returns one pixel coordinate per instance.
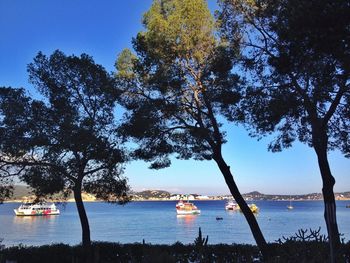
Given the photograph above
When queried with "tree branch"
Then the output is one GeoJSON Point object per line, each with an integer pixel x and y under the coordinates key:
{"type": "Point", "coordinates": [333, 106]}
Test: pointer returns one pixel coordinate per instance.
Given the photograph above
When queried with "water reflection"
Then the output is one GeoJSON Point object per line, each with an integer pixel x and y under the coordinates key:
{"type": "Point", "coordinates": [34, 223]}
{"type": "Point", "coordinates": [187, 219]}
{"type": "Point", "coordinates": [33, 219]}
{"type": "Point", "coordinates": [33, 229]}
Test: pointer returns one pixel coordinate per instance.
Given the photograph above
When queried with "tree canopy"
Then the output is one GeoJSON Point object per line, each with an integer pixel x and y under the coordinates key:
{"type": "Point", "coordinates": [296, 54]}
{"type": "Point", "coordinates": [179, 63]}
{"type": "Point", "coordinates": [66, 140]}
{"type": "Point", "coordinates": [182, 80]}
{"type": "Point", "coordinates": [12, 103]}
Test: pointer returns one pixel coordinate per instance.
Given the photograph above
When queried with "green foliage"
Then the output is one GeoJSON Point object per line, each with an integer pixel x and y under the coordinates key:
{"type": "Point", "coordinates": [6, 189]}
{"type": "Point", "coordinates": [12, 102]}
{"type": "Point", "coordinates": [184, 80]}
{"type": "Point", "coordinates": [200, 248]}
{"type": "Point", "coordinates": [104, 252]}
{"type": "Point", "coordinates": [179, 29]}
{"type": "Point", "coordinates": [55, 253]}
{"type": "Point", "coordinates": [182, 77]}
{"type": "Point", "coordinates": [306, 246]}
{"type": "Point", "coordinates": [67, 140]}
{"type": "Point", "coordinates": [106, 187]}
{"type": "Point", "coordinates": [297, 59]}
{"type": "Point", "coordinates": [70, 134]}
{"type": "Point", "coordinates": [199, 241]}
{"type": "Point", "coordinates": [305, 235]}
{"type": "Point", "coordinates": [125, 64]}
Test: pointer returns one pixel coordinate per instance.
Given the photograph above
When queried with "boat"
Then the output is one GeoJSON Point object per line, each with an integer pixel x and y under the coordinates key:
{"type": "Point", "coordinates": [347, 206]}
{"type": "Point", "coordinates": [219, 218]}
{"type": "Point", "coordinates": [231, 206]}
{"type": "Point", "coordinates": [36, 209]}
{"type": "Point", "coordinates": [254, 208]}
{"type": "Point", "coordinates": [187, 208]}
{"type": "Point", "coordinates": [179, 204]}
{"type": "Point", "coordinates": [290, 207]}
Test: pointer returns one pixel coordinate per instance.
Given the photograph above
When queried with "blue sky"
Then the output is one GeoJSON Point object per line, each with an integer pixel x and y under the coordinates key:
{"type": "Point", "coordinates": [102, 29]}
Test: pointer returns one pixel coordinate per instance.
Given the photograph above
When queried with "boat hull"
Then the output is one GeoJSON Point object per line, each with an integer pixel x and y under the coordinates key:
{"type": "Point", "coordinates": [232, 208]}
{"type": "Point", "coordinates": [191, 212]}
{"type": "Point", "coordinates": [252, 208]}
{"type": "Point", "coordinates": [36, 213]}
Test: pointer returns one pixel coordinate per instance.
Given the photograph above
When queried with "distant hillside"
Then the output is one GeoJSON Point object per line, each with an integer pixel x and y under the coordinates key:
{"type": "Point", "coordinates": [313, 196]}
{"type": "Point", "coordinates": [152, 194]}
{"type": "Point", "coordinates": [20, 191]}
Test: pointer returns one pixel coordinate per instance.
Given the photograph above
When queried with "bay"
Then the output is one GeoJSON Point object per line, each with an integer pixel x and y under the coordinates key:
{"type": "Point", "coordinates": [156, 222]}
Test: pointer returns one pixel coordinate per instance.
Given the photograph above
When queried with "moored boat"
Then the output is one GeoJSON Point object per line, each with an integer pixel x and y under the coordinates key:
{"type": "Point", "coordinates": [179, 204]}
{"type": "Point", "coordinates": [254, 208]}
{"type": "Point", "coordinates": [36, 209]}
{"type": "Point", "coordinates": [231, 206]}
{"type": "Point", "coordinates": [186, 208]}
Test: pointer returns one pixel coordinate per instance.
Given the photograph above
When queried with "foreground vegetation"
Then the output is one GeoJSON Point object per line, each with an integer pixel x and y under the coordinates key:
{"type": "Point", "coordinates": [304, 246]}
{"type": "Point", "coordinates": [291, 251]}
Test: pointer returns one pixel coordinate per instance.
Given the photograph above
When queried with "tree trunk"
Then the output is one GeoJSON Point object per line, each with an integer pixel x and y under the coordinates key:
{"type": "Point", "coordinates": [248, 214]}
{"type": "Point", "coordinates": [86, 241]}
{"type": "Point", "coordinates": [328, 199]}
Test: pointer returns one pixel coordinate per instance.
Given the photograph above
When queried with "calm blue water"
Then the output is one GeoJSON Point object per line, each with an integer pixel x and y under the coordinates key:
{"type": "Point", "coordinates": [157, 223]}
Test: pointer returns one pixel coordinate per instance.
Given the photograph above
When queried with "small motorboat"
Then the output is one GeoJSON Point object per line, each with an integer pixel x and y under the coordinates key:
{"type": "Point", "coordinates": [231, 206]}
{"type": "Point", "coordinates": [254, 208]}
{"type": "Point", "coordinates": [219, 218]}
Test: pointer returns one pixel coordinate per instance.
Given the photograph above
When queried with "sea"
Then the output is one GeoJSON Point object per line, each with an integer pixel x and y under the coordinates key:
{"type": "Point", "coordinates": [156, 222]}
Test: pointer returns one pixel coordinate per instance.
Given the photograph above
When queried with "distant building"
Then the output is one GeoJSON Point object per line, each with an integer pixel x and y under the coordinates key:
{"type": "Point", "coordinates": [191, 197]}
{"type": "Point", "coordinates": [202, 197]}
{"type": "Point", "coordinates": [175, 197]}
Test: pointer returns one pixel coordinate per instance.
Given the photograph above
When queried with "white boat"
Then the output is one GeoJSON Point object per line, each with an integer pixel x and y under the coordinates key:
{"type": "Point", "coordinates": [232, 206]}
{"type": "Point", "coordinates": [179, 204]}
{"type": "Point", "coordinates": [186, 208]}
{"type": "Point", "coordinates": [36, 209]}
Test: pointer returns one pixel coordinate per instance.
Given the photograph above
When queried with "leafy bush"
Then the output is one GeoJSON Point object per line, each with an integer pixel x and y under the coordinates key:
{"type": "Point", "coordinates": [307, 246]}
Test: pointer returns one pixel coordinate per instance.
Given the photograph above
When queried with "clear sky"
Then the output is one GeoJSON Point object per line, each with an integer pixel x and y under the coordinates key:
{"type": "Point", "coordinates": [102, 28]}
